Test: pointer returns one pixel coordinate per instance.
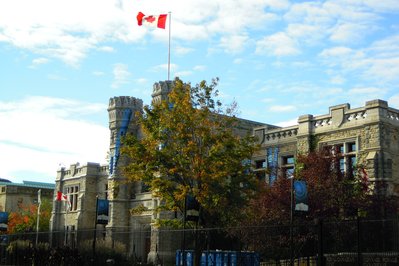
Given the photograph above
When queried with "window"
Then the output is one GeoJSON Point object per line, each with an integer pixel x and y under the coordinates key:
{"type": "Point", "coordinates": [346, 156]}
{"type": "Point", "coordinates": [72, 193]}
{"type": "Point", "coordinates": [259, 164]}
{"type": "Point", "coordinates": [106, 191]}
{"type": "Point", "coordinates": [260, 167]}
{"type": "Point", "coordinates": [351, 147]}
{"type": "Point", "coordinates": [70, 236]}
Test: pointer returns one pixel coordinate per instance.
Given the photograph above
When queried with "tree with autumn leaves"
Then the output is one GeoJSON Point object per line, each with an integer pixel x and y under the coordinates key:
{"type": "Point", "coordinates": [189, 149]}
{"type": "Point", "coordinates": [24, 219]}
{"type": "Point", "coordinates": [333, 196]}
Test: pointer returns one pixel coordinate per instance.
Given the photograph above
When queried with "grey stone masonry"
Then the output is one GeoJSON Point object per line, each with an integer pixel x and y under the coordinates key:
{"type": "Point", "coordinates": [373, 128]}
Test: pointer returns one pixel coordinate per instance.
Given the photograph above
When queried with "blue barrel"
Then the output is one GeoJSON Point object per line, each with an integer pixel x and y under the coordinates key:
{"type": "Point", "coordinates": [219, 258]}
{"type": "Point", "coordinates": [189, 257]}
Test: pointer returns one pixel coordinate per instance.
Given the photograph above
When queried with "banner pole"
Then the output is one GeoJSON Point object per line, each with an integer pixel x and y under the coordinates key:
{"type": "Point", "coordinates": [95, 230]}
{"type": "Point", "coordinates": [170, 24]}
{"type": "Point", "coordinates": [39, 202]}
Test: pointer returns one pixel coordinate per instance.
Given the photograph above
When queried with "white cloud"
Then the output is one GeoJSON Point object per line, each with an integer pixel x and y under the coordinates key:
{"type": "Point", "coordinates": [234, 43]}
{"type": "Point", "coordinates": [180, 50]}
{"type": "Point", "coordinates": [279, 44]}
{"type": "Point", "coordinates": [183, 73]}
{"type": "Point", "coordinates": [378, 62]}
{"type": "Point", "coordinates": [39, 61]}
{"type": "Point", "coordinates": [282, 108]}
{"type": "Point", "coordinates": [98, 73]}
{"type": "Point", "coordinates": [336, 52]}
{"type": "Point", "coordinates": [66, 30]}
{"type": "Point", "coordinates": [199, 68]}
{"type": "Point", "coordinates": [394, 101]}
{"type": "Point", "coordinates": [121, 75]}
{"type": "Point", "coordinates": [42, 132]}
{"type": "Point", "coordinates": [360, 95]}
{"type": "Point", "coordinates": [69, 30]}
{"type": "Point", "coordinates": [267, 100]}
{"type": "Point", "coordinates": [107, 49]}
{"type": "Point", "coordinates": [238, 61]}
{"type": "Point", "coordinates": [141, 80]}
{"type": "Point", "coordinates": [349, 32]}
{"type": "Point", "coordinates": [337, 80]}
{"type": "Point", "coordinates": [383, 6]}
{"type": "Point", "coordinates": [366, 91]}
{"type": "Point", "coordinates": [310, 34]}
{"type": "Point", "coordinates": [288, 123]}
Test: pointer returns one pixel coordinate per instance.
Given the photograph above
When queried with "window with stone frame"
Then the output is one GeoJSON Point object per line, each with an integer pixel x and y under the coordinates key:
{"type": "Point", "coordinates": [345, 152]}
{"type": "Point", "coordinates": [72, 193]}
{"type": "Point", "coordinates": [70, 236]}
{"type": "Point", "coordinates": [288, 165]}
{"type": "Point", "coordinates": [260, 168]}
{"type": "Point", "coordinates": [106, 191]}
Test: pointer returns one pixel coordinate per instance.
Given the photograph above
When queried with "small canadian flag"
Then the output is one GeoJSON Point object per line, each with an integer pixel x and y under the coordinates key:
{"type": "Point", "coordinates": [150, 20]}
{"type": "Point", "coordinates": [61, 197]}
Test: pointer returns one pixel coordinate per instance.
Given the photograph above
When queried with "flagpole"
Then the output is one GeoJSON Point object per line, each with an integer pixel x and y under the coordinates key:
{"type": "Point", "coordinates": [39, 202]}
{"type": "Point", "coordinates": [170, 24]}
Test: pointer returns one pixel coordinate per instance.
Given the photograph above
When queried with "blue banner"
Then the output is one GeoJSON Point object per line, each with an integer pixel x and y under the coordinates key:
{"type": "Point", "coordinates": [272, 163]}
{"type": "Point", "coordinates": [127, 113]}
{"type": "Point", "coordinates": [192, 209]}
{"type": "Point", "coordinates": [102, 211]}
{"type": "Point", "coordinates": [301, 196]}
{"type": "Point", "coordinates": [3, 221]}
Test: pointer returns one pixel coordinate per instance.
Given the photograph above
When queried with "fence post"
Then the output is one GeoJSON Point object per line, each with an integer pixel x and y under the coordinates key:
{"type": "Point", "coordinates": [359, 243]}
{"type": "Point", "coordinates": [320, 257]}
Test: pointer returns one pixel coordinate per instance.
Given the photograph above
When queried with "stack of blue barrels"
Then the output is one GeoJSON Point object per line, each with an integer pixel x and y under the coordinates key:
{"type": "Point", "coordinates": [219, 258]}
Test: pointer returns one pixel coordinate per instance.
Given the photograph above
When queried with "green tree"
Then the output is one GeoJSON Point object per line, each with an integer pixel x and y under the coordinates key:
{"type": "Point", "coordinates": [190, 147]}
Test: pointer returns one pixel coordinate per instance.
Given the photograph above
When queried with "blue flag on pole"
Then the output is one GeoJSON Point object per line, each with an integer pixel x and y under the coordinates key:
{"type": "Point", "coordinates": [3, 221]}
{"type": "Point", "coordinates": [301, 196]}
{"type": "Point", "coordinates": [102, 211]}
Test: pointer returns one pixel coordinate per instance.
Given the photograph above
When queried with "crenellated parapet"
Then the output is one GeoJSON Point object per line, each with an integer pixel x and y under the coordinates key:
{"type": "Point", "coordinates": [76, 171]}
{"type": "Point", "coordinates": [161, 90]}
{"type": "Point", "coordinates": [121, 108]}
{"type": "Point", "coordinates": [276, 135]}
{"type": "Point", "coordinates": [340, 117]}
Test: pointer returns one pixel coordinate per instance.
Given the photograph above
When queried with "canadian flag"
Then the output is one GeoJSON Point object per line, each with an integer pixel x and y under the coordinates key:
{"type": "Point", "coordinates": [61, 197]}
{"type": "Point", "coordinates": [156, 21]}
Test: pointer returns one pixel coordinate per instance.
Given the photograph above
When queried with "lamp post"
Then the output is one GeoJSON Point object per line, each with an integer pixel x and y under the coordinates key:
{"type": "Point", "coordinates": [291, 221]}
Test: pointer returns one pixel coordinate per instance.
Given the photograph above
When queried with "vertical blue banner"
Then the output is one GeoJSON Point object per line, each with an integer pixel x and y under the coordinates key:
{"type": "Point", "coordinates": [3, 221]}
{"type": "Point", "coordinates": [301, 196]}
{"type": "Point", "coordinates": [102, 211]}
{"type": "Point", "coordinates": [127, 113]}
{"type": "Point", "coordinates": [192, 209]}
{"type": "Point", "coordinates": [272, 163]}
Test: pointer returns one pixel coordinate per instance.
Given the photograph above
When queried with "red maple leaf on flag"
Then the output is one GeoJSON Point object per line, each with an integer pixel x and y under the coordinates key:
{"type": "Point", "coordinates": [150, 19]}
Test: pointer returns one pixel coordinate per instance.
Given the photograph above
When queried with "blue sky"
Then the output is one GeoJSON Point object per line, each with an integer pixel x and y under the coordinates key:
{"type": "Point", "coordinates": [61, 61]}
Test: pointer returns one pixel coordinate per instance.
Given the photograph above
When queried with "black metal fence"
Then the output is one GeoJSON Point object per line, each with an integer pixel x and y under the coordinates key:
{"type": "Point", "coordinates": [348, 242]}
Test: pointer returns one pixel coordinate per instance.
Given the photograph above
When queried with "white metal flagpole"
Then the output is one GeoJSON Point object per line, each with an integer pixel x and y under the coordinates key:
{"type": "Point", "coordinates": [39, 202]}
{"type": "Point", "coordinates": [170, 23]}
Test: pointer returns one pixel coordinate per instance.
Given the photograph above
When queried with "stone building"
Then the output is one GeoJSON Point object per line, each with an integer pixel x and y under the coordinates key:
{"type": "Point", "coordinates": [14, 195]}
{"type": "Point", "coordinates": [367, 135]}
{"type": "Point", "coordinates": [82, 184]}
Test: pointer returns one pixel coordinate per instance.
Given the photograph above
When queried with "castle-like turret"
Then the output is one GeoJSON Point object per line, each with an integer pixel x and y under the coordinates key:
{"type": "Point", "coordinates": [122, 112]}
{"type": "Point", "coordinates": [161, 90]}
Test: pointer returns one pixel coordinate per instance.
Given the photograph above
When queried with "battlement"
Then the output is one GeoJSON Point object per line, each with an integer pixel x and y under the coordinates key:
{"type": "Point", "coordinates": [77, 170]}
{"type": "Point", "coordinates": [161, 90]}
{"type": "Point", "coordinates": [124, 102]}
{"type": "Point", "coordinates": [339, 117]}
